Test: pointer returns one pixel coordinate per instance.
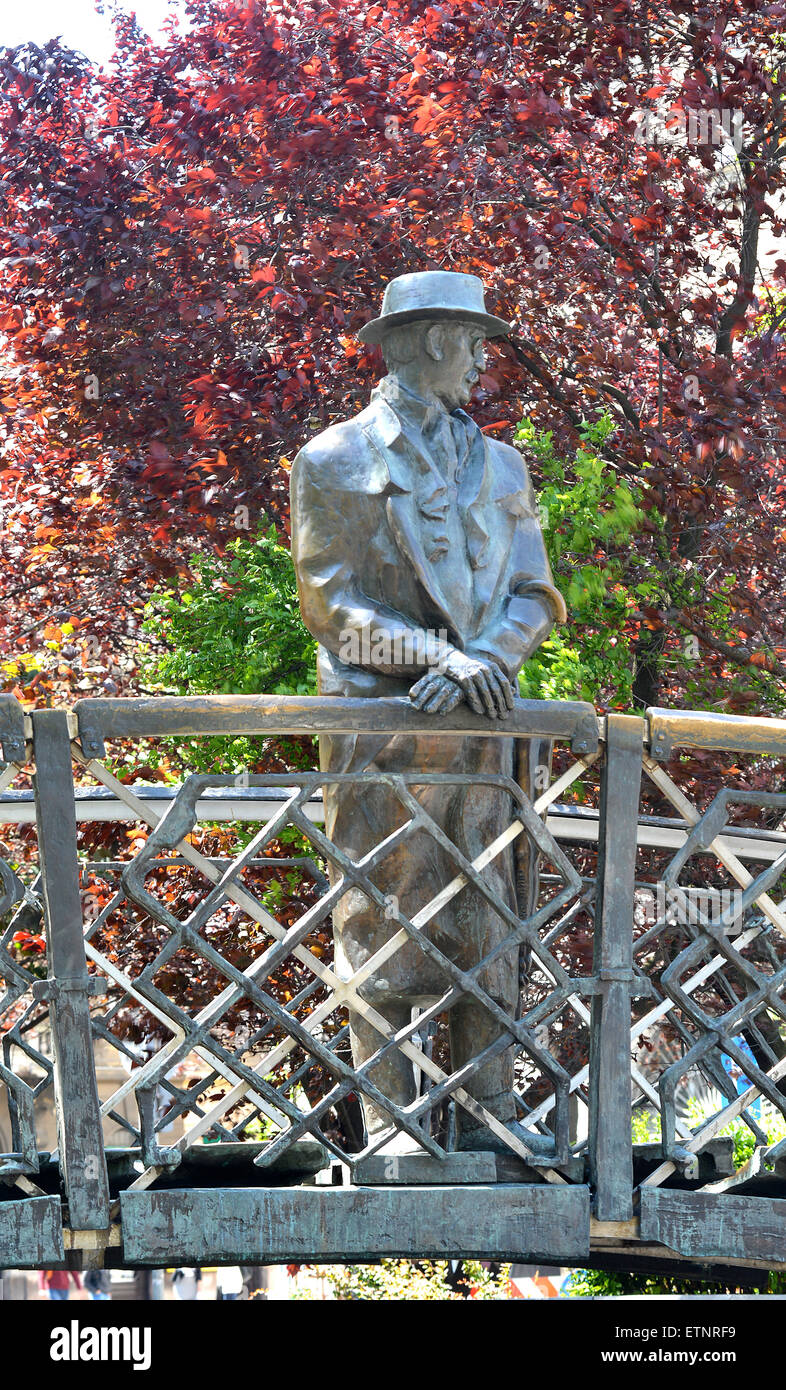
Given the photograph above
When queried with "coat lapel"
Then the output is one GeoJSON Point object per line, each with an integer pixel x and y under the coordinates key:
{"type": "Point", "coordinates": [401, 453]}
{"type": "Point", "coordinates": [491, 521]}
{"type": "Point", "coordinates": [494, 501]}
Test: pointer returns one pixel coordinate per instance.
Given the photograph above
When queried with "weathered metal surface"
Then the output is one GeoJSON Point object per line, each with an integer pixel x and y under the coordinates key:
{"type": "Point", "coordinates": [409, 1170]}
{"type": "Point", "coordinates": [227, 1163]}
{"type": "Point", "coordinates": [716, 1159]}
{"type": "Point", "coordinates": [276, 1225]}
{"type": "Point", "coordinates": [31, 1233]}
{"type": "Point", "coordinates": [611, 1149]}
{"type": "Point", "coordinates": [13, 729]}
{"type": "Point", "coordinates": [754, 1178]}
{"type": "Point", "coordinates": [670, 729]}
{"type": "Point", "coordinates": [271, 714]}
{"type": "Point", "coordinates": [735, 946]}
{"type": "Point", "coordinates": [80, 1137]}
{"type": "Point", "coordinates": [179, 822]}
{"type": "Point", "coordinates": [715, 1227]}
{"type": "Point", "coordinates": [18, 1010]}
{"type": "Point", "coordinates": [708, 956]}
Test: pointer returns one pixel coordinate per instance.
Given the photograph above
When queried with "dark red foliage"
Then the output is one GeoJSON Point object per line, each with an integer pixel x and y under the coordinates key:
{"type": "Point", "coordinates": [190, 242]}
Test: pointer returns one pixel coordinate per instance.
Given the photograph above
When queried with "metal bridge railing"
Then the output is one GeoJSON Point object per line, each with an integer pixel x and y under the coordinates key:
{"type": "Point", "coordinates": [179, 949]}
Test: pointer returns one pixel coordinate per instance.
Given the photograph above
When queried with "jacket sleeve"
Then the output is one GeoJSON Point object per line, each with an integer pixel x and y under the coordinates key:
{"type": "Point", "coordinates": [532, 603]}
{"type": "Point", "coordinates": [331, 526]}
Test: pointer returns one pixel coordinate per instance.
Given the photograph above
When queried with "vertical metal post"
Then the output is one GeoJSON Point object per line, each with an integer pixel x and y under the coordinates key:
{"type": "Point", "coordinates": [80, 1138]}
{"type": "Point", "coordinates": [610, 1143]}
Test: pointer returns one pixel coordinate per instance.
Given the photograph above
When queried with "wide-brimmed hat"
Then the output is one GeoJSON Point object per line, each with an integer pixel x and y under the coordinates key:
{"type": "Point", "coordinates": [433, 294]}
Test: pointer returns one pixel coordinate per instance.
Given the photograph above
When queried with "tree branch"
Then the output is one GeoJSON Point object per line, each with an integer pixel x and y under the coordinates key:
{"type": "Point", "coordinates": [741, 656]}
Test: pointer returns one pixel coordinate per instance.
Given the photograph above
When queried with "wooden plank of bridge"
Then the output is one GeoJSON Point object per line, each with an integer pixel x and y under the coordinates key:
{"type": "Point", "coordinates": [610, 1142]}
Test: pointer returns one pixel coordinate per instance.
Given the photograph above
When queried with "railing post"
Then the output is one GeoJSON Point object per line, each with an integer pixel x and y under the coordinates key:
{"type": "Point", "coordinates": [80, 1138]}
{"type": "Point", "coordinates": [610, 1143]}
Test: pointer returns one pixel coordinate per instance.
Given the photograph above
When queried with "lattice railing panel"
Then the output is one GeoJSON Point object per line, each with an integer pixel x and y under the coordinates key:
{"type": "Point", "coordinates": [179, 976]}
{"type": "Point", "coordinates": [711, 942]}
{"type": "Point", "coordinates": [26, 1069]}
{"type": "Point", "coordinates": [275, 1068]}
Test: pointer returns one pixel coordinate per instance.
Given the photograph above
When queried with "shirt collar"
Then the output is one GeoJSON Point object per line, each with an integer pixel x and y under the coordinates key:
{"type": "Point", "coordinates": [422, 411]}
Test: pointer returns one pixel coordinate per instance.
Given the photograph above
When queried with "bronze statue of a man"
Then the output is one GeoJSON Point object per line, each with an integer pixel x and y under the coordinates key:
{"type": "Point", "coordinates": [422, 572]}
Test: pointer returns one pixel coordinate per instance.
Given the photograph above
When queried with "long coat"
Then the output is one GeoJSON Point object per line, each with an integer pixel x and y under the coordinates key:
{"type": "Point", "coordinates": [371, 506]}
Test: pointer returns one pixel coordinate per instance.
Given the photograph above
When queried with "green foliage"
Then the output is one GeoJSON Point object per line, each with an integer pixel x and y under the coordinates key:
{"type": "Point", "coordinates": [751, 685]}
{"type": "Point", "coordinates": [262, 1127]}
{"type": "Point", "coordinates": [645, 1126]}
{"type": "Point", "coordinates": [417, 1281]}
{"type": "Point", "coordinates": [236, 630]}
{"type": "Point", "coordinates": [594, 528]}
{"type": "Point", "coordinates": [598, 1283]}
{"type": "Point", "coordinates": [772, 1123]}
{"type": "Point", "coordinates": [589, 518]}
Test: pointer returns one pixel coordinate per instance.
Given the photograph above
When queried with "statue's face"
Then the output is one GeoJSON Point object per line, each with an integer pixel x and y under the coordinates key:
{"type": "Point", "coordinates": [463, 358]}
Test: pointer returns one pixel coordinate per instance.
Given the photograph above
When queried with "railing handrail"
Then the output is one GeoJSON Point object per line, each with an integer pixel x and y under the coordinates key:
{"type": "Point", "coordinates": [277, 715]}
{"type": "Point", "coordinates": [734, 733]}
{"type": "Point", "coordinates": [93, 720]}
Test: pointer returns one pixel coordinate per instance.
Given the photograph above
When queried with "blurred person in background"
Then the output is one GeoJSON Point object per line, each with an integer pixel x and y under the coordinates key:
{"type": "Point", "coordinates": [54, 1282]}
{"type": "Point", "coordinates": [229, 1282]}
{"type": "Point", "coordinates": [98, 1283]}
{"type": "Point", "coordinates": [185, 1282]}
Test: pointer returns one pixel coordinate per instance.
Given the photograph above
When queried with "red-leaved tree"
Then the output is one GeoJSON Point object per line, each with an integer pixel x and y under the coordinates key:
{"type": "Point", "coordinates": [191, 240]}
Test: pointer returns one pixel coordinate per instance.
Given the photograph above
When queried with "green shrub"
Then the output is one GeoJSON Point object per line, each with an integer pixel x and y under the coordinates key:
{"type": "Point", "coordinates": [588, 517]}
{"type": "Point", "coordinates": [417, 1281]}
{"type": "Point", "coordinates": [236, 629]}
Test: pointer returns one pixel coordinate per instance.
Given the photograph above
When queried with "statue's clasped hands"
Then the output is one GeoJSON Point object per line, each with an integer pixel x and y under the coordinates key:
{"type": "Point", "coordinates": [484, 687]}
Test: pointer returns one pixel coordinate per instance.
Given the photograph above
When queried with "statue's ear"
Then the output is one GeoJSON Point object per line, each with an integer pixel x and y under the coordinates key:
{"type": "Point", "coordinates": [434, 341]}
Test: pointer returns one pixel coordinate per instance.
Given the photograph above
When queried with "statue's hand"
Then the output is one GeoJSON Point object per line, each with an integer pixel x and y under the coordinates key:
{"type": "Point", "coordinates": [485, 687]}
{"type": "Point", "coordinates": [435, 694]}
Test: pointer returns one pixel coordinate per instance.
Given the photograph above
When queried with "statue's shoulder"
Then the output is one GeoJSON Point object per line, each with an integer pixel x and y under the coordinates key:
{"type": "Point", "coordinates": [508, 456]}
{"type": "Point", "coordinates": [341, 456]}
{"type": "Point", "coordinates": [509, 462]}
{"type": "Point", "coordinates": [335, 440]}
